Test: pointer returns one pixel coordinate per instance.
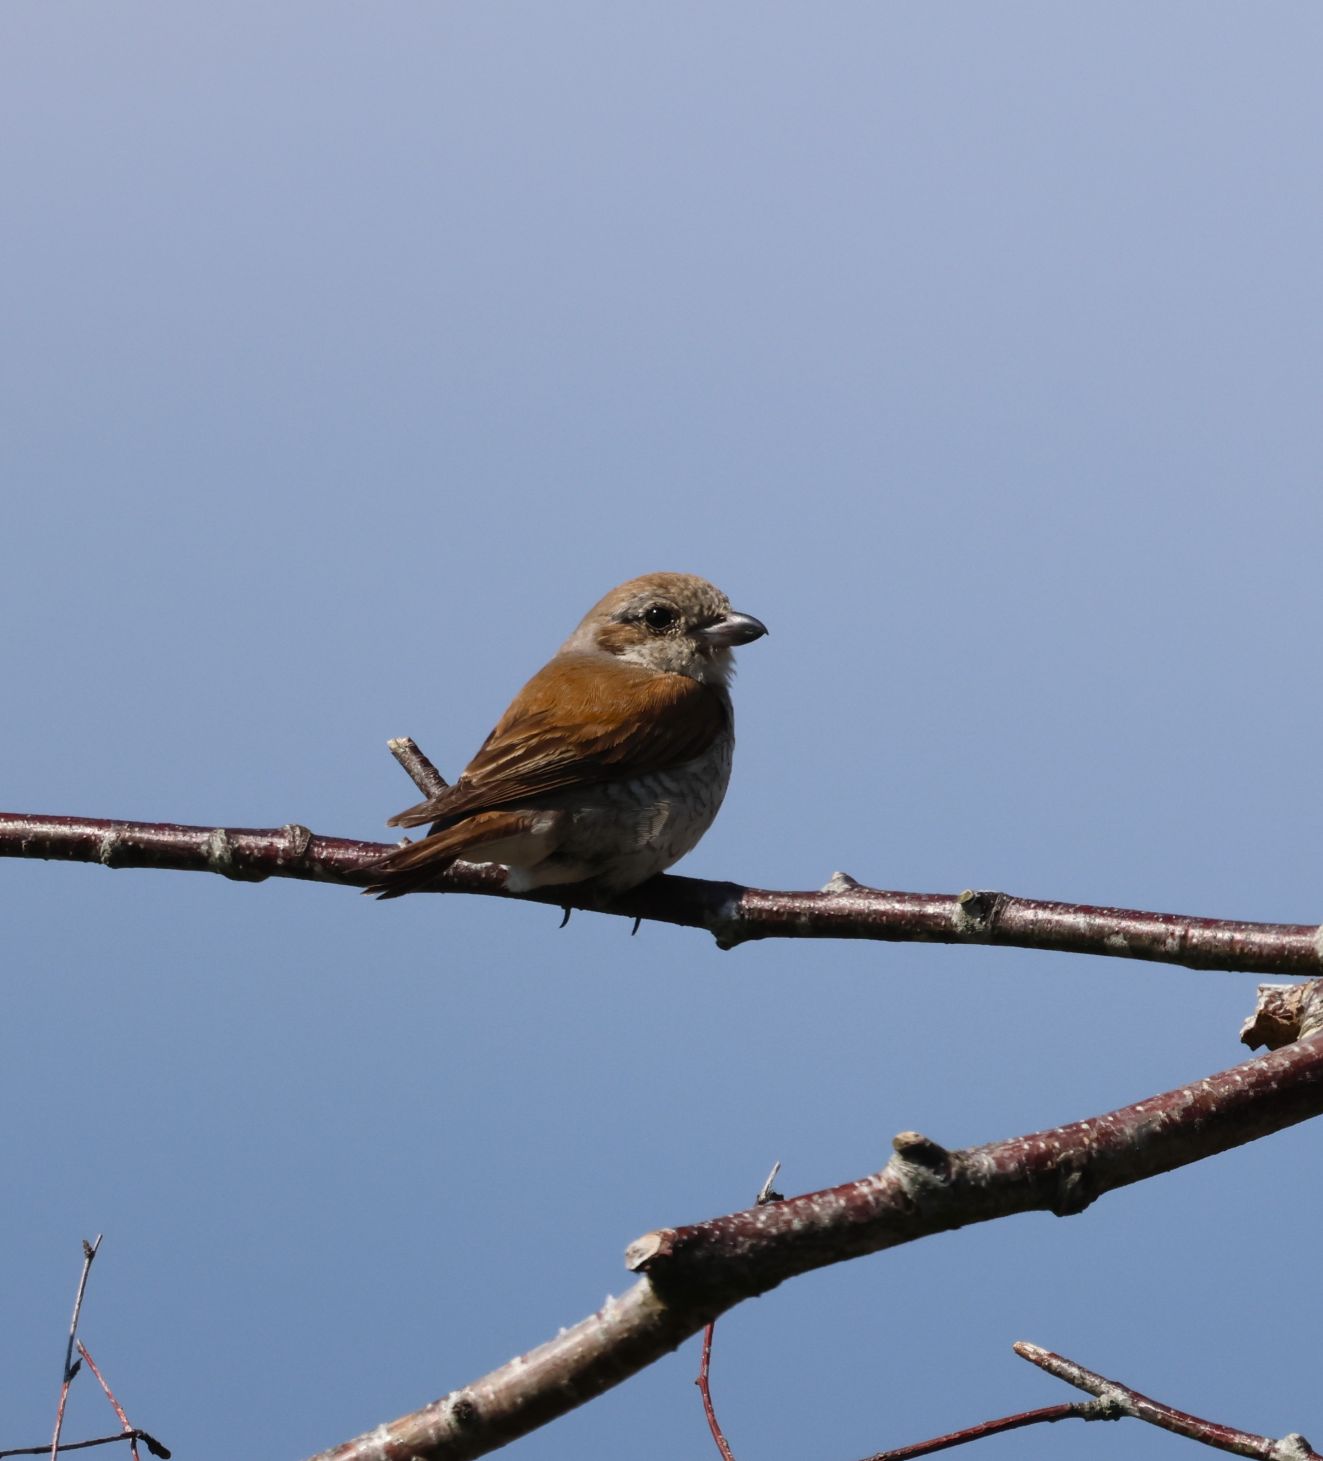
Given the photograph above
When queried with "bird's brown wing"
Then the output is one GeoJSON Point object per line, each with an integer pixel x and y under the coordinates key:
{"type": "Point", "coordinates": [581, 721]}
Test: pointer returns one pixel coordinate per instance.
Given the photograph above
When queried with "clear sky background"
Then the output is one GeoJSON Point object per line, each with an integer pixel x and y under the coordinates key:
{"type": "Point", "coordinates": [348, 353]}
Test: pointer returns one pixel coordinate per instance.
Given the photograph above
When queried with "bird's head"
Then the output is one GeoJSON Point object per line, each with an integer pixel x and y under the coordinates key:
{"type": "Point", "coordinates": [673, 623]}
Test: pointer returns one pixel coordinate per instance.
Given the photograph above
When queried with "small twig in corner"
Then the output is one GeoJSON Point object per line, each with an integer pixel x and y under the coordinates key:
{"type": "Point", "coordinates": [130, 1433]}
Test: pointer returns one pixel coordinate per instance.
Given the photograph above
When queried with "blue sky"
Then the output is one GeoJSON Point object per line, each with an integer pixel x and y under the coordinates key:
{"type": "Point", "coordinates": [348, 355]}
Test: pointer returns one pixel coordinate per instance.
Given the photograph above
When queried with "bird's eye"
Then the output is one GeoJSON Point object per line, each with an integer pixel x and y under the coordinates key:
{"type": "Point", "coordinates": [658, 616]}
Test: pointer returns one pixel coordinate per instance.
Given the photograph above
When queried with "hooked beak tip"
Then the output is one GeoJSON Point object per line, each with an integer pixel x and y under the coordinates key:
{"type": "Point", "coordinates": [733, 629]}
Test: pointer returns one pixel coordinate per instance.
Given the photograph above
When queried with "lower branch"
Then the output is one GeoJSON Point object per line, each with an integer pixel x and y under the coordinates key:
{"type": "Point", "coordinates": [733, 914]}
{"type": "Point", "coordinates": [692, 1274]}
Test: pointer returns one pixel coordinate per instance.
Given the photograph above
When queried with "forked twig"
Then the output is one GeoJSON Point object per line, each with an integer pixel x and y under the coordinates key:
{"type": "Point", "coordinates": [1112, 1401]}
{"type": "Point", "coordinates": [1120, 1401]}
{"type": "Point", "coordinates": [132, 1434]}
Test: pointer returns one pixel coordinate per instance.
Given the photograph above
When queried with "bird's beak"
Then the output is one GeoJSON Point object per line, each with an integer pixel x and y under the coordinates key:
{"type": "Point", "coordinates": [731, 630]}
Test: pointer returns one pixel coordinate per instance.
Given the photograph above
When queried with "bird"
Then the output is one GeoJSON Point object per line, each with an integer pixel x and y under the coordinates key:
{"type": "Point", "coordinates": [609, 764]}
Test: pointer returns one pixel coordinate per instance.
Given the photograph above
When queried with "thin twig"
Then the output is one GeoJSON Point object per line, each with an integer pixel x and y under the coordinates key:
{"type": "Point", "coordinates": [71, 1369]}
{"type": "Point", "coordinates": [148, 1440]}
{"type": "Point", "coordinates": [732, 913]}
{"type": "Point", "coordinates": [129, 1430]}
{"type": "Point", "coordinates": [89, 1253]}
{"type": "Point", "coordinates": [101, 1380]}
{"type": "Point", "coordinates": [767, 1193]}
{"type": "Point", "coordinates": [704, 1389]}
{"type": "Point", "coordinates": [1120, 1400]}
{"type": "Point", "coordinates": [1046, 1413]}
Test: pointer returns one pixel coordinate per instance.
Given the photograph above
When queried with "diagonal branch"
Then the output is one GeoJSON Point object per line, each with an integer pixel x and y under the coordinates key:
{"type": "Point", "coordinates": [733, 914]}
{"type": "Point", "coordinates": [692, 1274]}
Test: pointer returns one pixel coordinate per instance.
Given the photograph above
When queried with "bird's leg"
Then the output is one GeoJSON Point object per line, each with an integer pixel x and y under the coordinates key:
{"type": "Point", "coordinates": [567, 910]}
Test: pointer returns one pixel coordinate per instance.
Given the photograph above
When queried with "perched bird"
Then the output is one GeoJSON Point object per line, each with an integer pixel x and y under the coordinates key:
{"type": "Point", "coordinates": [612, 760]}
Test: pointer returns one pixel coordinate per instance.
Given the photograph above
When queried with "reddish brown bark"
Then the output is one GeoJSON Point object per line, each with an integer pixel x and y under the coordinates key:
{"type": "Point", "coordinates": [731, 913]}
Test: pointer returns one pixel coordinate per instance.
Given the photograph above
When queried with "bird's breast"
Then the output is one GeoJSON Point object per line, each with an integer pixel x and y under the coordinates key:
{"type": "Point", "coordinates": [623, 832]}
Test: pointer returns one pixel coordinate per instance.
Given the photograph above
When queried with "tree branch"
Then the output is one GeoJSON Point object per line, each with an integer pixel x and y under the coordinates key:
{"type": "Point", "coordinates": [733, 914]}
{"type": "Point", "coordinates": [692, 1274]}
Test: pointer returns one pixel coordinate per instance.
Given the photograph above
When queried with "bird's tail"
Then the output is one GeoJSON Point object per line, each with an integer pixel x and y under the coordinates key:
{"type": "Point", "coordinates": [417, 867]}
{"type": "Point", "coordinates": [409, 869]}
